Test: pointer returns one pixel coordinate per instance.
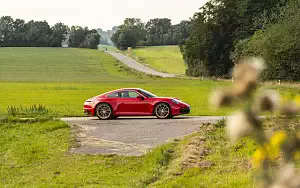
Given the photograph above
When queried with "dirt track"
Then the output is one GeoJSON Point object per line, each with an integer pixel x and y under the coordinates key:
{"type": "Point", "coordinates": [135, 65]}
{"type": "Point", "coordinates": [130, 136]}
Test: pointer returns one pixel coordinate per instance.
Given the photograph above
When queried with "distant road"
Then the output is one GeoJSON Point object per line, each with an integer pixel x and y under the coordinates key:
{"type": "Point", "coordinates": [135, 65]}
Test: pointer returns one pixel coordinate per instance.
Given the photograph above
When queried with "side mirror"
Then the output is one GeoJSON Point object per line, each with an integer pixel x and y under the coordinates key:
{"type": "Point", "coordinates": [140, 97]}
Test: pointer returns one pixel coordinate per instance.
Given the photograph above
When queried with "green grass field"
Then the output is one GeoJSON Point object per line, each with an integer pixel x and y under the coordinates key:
{"type": "Point", "coordinates": [162, 58]}
{"type": "Point", "coordinates": [36, 154]}
{"type": "Point", "coordinates": [66, 99]}
{"type": "Point", "coordinates": [59, 65]}
{"type": "Point", "coordinates": [62, 79]}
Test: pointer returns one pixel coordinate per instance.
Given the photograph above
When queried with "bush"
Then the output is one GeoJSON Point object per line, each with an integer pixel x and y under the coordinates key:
{"type": "Point", "coordinates": [278, 44]}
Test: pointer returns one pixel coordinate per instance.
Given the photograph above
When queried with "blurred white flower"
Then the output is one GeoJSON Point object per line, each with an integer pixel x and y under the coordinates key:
{"type": "Point", "coordinates": [246, 75]}
{"type": "Point", "coordinates": [238, 126]}
{"type": "Point", "coordinates": [286, 177]}
{"type": "Point", "coordinates": [244, 89]}
{"type": "Point", "coordinates": [249, 69]}
{"type": "Point", "coordinates": [257, 63]}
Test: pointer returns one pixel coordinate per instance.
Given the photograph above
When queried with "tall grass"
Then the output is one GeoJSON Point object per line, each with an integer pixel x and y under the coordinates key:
{"type": "Point", "coordinates": [31, 111]}
{"type": "Point", "coordinates": [30, 114]}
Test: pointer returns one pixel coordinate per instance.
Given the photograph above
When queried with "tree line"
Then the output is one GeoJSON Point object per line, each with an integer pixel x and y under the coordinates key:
{"type": "Point", "coordinates": [224, 31]}
{"type": "Point", "coordinates": [159, 31]}
{"type": "Point", "coordinates": [18, 33]}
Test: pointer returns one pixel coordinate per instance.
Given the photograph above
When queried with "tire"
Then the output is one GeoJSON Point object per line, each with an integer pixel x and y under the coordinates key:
{"type": "Point", "coordinates": [162, 111]}
{"type": "Point", "coordinates": [104, 111]}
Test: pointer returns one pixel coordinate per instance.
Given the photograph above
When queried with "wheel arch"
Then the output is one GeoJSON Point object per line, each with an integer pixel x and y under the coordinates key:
{"type": "Point", "coordinates": [160, 102]}
{"type": "Point", "coordinates": [95, 111]}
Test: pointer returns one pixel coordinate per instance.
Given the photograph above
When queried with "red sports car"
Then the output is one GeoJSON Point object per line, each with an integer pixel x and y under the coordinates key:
{"type": "Point", "coordinates": [133, 102]}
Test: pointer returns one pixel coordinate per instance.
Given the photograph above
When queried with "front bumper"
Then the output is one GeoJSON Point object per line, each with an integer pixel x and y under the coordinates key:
{"type": "Point", "coordinates": [180, 109]}
{"type": "Point", "coordinates": [185, 110]}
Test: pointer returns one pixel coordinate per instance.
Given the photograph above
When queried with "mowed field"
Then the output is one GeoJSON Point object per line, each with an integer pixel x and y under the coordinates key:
{"type": "Point", "coordinates": [62, 79]}
{"type": "Point", "coordinates": [162, 58]}
{"type": "Point", "coordinates": [59, 65]}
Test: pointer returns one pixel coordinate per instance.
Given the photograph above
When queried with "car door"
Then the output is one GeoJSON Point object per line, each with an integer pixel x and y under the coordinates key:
{"type": "Point", "coordinates": [133, 104]}
{"type": "Point", "coordinates": [116, 100]}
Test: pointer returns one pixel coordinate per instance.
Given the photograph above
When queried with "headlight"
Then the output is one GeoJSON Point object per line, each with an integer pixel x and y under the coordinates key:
{"type": "Point", "coordinates": [175, 101]}
{"type": "Point", "coordinates": [90, 102]}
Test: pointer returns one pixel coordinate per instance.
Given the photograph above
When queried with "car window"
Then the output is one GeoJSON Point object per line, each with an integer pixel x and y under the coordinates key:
{"type": "Point", "coordinates": [147, 93]}
{"type": "Point", "coordinates": [129, 94]}
{"type": "Point", "coordinates": [114, 95]}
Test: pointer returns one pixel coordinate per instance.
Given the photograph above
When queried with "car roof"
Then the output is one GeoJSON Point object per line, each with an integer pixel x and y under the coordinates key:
{"type": "Point", "coordinates": [118, 90]}
{"type": "Point", "coordinates": [122, 89]}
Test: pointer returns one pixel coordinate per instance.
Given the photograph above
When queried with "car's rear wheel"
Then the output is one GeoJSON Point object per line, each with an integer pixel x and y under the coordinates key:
{"type": "Point", "coordinates": [162, 111]}
{"type": "Point", "coordinates": [104, 111]}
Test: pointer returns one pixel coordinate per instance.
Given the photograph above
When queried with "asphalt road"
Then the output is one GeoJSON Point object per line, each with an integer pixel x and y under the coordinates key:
{"type": "Point", "coordinates": [135, 65]}
{"type": "Point", "coordinates": [130, 136]}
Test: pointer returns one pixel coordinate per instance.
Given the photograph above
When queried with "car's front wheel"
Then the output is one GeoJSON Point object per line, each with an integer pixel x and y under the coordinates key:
{"type": "Point", "coordinates": [104, 111]}
{"type": "Point", "coordinates": [162, 111]}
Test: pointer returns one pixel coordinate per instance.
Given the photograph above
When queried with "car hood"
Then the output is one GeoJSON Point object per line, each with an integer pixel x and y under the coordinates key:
{"type": "Point", "coordinates": [167, 98]}
{"type": "Point", "coordinates": [170, 98]}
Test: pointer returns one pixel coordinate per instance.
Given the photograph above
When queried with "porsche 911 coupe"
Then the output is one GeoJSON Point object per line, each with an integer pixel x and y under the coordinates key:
{"type": "Point", "coordinates": [134, 102]}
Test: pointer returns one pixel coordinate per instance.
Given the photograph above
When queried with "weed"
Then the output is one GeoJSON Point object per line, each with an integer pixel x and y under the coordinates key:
{"type": "Point", "coordinates": [31, 111]}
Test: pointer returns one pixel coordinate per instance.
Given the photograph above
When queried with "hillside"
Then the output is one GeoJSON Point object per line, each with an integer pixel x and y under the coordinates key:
{"type": "Point", "coordinates": [162, 58]}
{"type": "Point", "coordinates": [59, 65]}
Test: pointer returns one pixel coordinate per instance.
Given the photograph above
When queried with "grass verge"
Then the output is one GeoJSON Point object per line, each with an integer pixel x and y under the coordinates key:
{"type": "Point", "coordinates": [36, 155]}
{"type": "Point", "coordinates": [208, 159]}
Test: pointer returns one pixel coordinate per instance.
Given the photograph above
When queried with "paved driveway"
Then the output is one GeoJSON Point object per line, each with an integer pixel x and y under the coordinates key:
{"type": "Point", "coordinates": [130, 136]}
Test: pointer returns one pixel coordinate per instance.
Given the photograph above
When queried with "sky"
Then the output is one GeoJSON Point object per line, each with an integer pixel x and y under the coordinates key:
{"type": "Point", "coordinates": [99, 13]}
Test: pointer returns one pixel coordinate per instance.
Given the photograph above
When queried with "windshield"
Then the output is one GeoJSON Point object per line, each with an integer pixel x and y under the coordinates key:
{"type": "Point", "coordinates": [146, 93]}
